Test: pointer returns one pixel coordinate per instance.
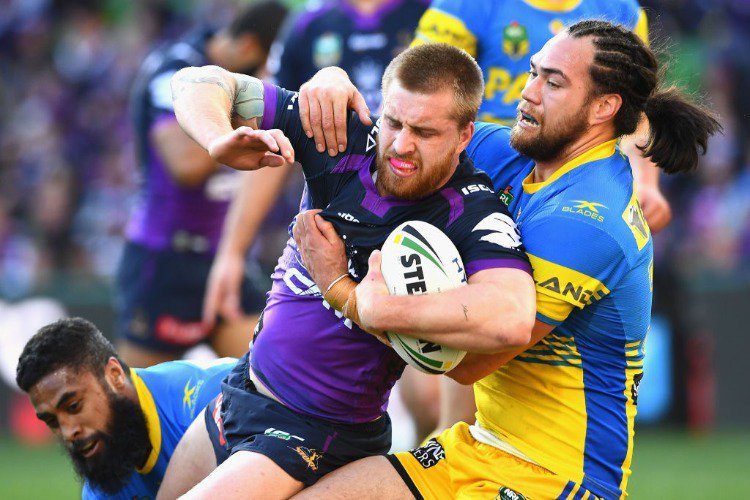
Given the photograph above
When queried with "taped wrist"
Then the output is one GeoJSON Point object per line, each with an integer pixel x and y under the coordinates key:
{"type": "Point", "coordinates": [338, 294]}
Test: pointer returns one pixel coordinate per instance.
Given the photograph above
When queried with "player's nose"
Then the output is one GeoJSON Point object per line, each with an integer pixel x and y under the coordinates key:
{"type": "Point", "coordinates": [403, 143]}
{"type": "Point", "coordinates": [70, 431]}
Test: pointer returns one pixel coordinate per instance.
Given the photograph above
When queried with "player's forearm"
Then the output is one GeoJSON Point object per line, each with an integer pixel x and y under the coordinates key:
{"type": "Point", "coordinates": [203, 99]}
{"type": "Point", "coordinates": [476, 366]}
{"type": "Point", "coordinates": [481, 317]}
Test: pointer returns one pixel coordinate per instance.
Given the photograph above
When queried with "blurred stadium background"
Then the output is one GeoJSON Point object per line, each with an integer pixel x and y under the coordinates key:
{"type": "Point", "coordinates": [67, 177]}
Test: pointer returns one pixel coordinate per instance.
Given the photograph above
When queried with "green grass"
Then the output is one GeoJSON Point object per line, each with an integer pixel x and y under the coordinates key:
{"type": "Point", "coordinates": [675, 465]}
{"type": "Point", "coordinates": [667, 465]}
{"type": "Point", "coordinates": [35, 473]}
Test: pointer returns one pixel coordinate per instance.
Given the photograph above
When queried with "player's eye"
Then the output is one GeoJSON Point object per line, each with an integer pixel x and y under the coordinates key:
{"type": "Point", "coordinates": [394, 124]}
{"type": "Point", "coordinates": [74, 407]}
{"type": "Point", "coordinates": [552, 84]}
{"type": "Point", "coordinates": [532, 73]}
{"type": "Point", "coordinates": [51, 422]}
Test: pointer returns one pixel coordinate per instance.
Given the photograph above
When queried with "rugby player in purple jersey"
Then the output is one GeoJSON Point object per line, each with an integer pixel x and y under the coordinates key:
{"type": "Point", "coordinates": [312, 396]}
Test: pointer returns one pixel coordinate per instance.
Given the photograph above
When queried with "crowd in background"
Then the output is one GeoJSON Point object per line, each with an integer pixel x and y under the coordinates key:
{"type": "Point", "coordinates": [67, 166]}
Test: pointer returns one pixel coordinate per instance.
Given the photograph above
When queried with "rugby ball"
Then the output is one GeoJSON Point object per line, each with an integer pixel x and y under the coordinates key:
{"type": "Point", "coordinates": [419, 258]}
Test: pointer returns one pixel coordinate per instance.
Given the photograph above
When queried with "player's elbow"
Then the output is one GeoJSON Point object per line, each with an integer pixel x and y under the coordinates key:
{"type": "Point", "coordinates": [511, 332]}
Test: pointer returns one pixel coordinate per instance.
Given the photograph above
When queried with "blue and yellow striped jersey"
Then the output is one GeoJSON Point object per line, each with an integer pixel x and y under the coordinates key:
{"type": "Point", "coordinates": [568, 403]}
{"type": "Point", "coordinates": [503, 35]}
{"type": "Point", "coordinates": [171, 395]}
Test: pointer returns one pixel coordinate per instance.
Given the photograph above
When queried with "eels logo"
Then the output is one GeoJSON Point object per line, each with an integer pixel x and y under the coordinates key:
{"type": "Point", "coordinates": [515, 40]}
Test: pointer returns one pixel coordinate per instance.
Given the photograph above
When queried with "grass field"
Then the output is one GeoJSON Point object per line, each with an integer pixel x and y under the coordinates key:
{"type": "Point", "coordinates": [666, 466]}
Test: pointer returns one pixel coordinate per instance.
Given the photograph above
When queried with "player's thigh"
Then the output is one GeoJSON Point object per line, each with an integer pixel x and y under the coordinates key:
{"type": "Point", "coordinates": [246, 475]}
{"type": "Point", "coordinates": [371, 477]}
{"type": "Point", "coordinates": [192, 460]}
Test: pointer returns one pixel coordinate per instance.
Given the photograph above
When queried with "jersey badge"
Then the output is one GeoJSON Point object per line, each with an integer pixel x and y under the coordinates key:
{"type": "Point", "coordinates": [506, 197]}
{"type": "Point", "coordinates": [190, 396]}
{"type": "Point", "coordinates": [505, 493]}
{"type": "Point", "coordinates": [633, 217]}
{"type": "Point", "coordinates": [515, 40]}
{"type": "Point", "coordinates": [588, 209]}
{"type": "Point", "coordinates": [310, 456]}
{"type": "Point", "coordinates": [327, 50]}
{"type": "Point", "coordinates": [502, 230]}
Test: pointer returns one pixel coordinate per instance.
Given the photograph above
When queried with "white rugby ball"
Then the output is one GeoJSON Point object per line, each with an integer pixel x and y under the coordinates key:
{"type": "Point", "coordinates": [419, 258]}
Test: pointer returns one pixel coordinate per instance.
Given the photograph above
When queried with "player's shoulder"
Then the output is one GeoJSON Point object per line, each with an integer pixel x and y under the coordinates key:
{"type": "Point", "coordinates": [596, 209]}
{"type": "Point", "coordinates": [175, 374]}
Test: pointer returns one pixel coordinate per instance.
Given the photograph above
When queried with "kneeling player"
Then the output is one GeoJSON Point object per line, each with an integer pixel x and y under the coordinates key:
{"type": "Point", "coordinates": [119, 425]}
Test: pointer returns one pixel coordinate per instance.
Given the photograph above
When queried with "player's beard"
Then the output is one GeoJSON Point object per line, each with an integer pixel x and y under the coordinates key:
{"type": "Point", "coordinates": [425, 181]}
{"type": "Point", "coordinates": [551, 139]}
{"type": "Point", "coordinates": [123, 447]}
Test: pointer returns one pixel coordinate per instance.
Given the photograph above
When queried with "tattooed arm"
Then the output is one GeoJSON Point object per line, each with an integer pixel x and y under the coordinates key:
{"type": "Point", "coordinates": [207, 99]}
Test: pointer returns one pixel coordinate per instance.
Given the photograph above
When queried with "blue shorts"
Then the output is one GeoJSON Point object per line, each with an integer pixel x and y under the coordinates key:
{"type": "Point", "coordinates": [160, 298]}
{"type": "Point", "coordinates": [307, 448]}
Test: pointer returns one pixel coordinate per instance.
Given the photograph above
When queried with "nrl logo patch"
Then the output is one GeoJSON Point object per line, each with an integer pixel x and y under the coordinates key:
{"type": "Point", "coordinates": [506, 493]}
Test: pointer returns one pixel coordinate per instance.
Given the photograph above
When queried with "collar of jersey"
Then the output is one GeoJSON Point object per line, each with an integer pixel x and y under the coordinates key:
{"type": "Point", "coordinates": [152, 421]}
{"type": "Point", "coordinates": [603, 150]}
{"type": "Point", "coordinates": [554, 6]}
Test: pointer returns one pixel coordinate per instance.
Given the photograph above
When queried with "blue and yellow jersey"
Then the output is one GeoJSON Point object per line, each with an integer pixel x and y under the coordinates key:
{"type": "Point", "coordinates": [503, 35]}
{"type": "Point", "coordinates": [171, 396]}
{"type": "Point", "coordinates": [569, 402]}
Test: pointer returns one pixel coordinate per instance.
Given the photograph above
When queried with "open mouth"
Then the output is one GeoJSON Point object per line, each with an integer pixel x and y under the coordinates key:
{"type": "Point", "coordinates": [90, 449]}
{"type": "Point", "coordinates": [401, 168]}
{"type": "Point", "coordinates": [527, 119]}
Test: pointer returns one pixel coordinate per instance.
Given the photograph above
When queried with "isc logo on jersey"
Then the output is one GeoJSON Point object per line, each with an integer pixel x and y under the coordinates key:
{"type": "Point", "coordinates": [419, 258]}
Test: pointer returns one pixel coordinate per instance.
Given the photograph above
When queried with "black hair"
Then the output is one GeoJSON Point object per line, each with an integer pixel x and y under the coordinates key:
{"type": "Point", "coordinates": [69, 342]}
{"type": "Point", "coordinates": [624, 65]}
{"type": "Point", "coordinates": [262, 19]}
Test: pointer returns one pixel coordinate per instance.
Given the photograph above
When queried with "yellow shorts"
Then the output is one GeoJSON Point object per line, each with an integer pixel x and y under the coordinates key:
{"type": "Point", "coordinates": [455, 465]}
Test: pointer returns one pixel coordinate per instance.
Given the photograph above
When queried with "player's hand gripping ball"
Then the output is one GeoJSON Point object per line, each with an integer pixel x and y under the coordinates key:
{"type": "Point", "coordinates": [419, 258]}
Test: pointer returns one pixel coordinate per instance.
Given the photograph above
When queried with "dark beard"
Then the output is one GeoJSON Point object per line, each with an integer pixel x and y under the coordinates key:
{"type": "Point", "coordinates": [123, 448]}
{"type": "Point", "coordinates": [552, 144]}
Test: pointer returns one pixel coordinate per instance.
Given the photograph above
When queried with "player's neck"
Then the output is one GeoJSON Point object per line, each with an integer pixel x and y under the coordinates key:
{"type": "Point", "coordinates": [543, 170]}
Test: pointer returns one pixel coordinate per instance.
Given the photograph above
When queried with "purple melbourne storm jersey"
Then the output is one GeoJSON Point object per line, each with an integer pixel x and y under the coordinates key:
{"type": "Point", "coordinates": [336, 34]}
{"type": "Point", "coordinates": [306, 354]}
{"type": "Point", "coordinates": [167, 215]}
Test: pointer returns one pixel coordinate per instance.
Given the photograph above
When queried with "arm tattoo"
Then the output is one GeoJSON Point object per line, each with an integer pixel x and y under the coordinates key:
{"type": "Point", "coordinates": [466, 311]}
{"type": "Point", "coordinates": [183, 81]}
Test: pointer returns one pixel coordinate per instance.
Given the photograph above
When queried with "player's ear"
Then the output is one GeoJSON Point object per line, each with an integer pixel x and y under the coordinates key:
{"type": "Point", "coordinates": [115, 375]}
{"type": "Point", "coordinates": [465, 135]}
{"type": "Point", "coordinates": [604, 108]}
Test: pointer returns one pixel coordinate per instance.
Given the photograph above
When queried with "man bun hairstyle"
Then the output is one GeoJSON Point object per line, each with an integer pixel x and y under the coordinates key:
{"type": "Point", "coordinates": [69, 342]}
{"type": "Point", "coordinates": [430, 68]}
{"type": "Point", "coordinates": [624, 65]}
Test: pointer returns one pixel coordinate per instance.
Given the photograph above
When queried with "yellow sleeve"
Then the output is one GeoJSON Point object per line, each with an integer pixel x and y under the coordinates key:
{"type": "Point", "coordinates": [436, 26]}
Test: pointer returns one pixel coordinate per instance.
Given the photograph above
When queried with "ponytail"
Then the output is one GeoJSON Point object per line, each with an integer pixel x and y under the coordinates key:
{"type": "Point", "coordinates": [679, 130]}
